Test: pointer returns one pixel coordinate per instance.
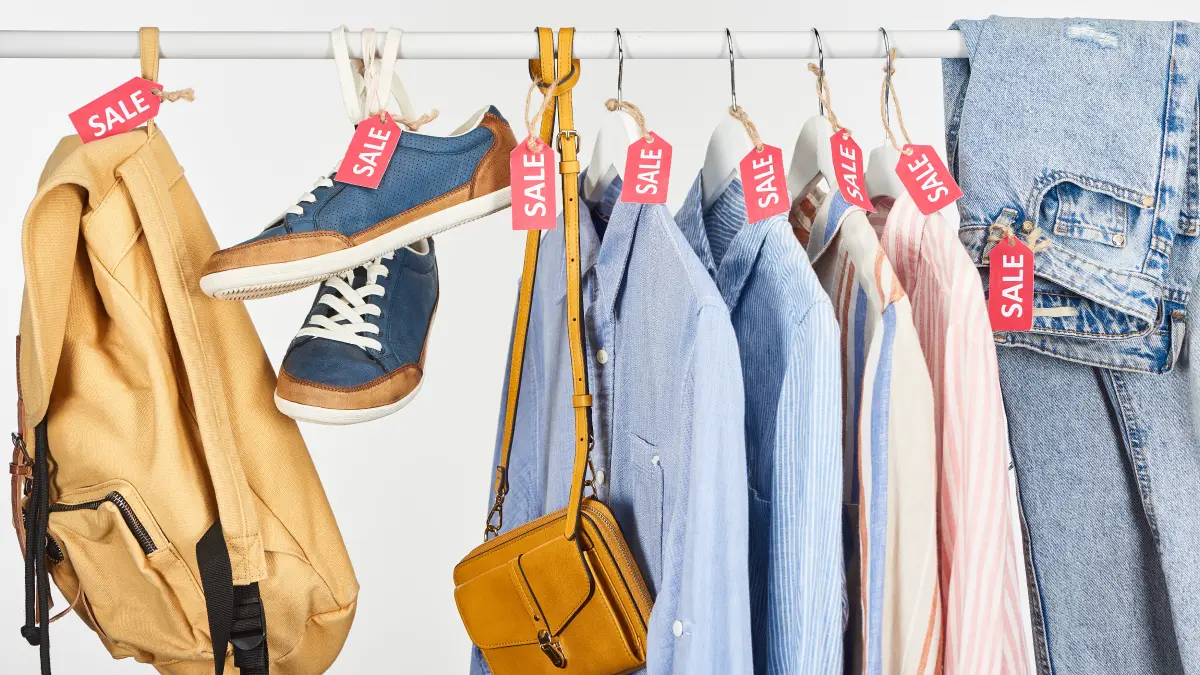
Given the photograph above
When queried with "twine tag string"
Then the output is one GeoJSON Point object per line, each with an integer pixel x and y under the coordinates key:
{"type": "Point", "coordinates": [826, 97]}
{"type": "Point", "coordinates": [1035, 240]}
{"type": "Point", "coordinates": [738, 113]}
{"type": "Point", "coordinates": [371, 76]}
{"type": "Point", "coordinates": [532, 124]}
{"type": "Point", "coordinates": [889, 84]}
{"type": "Point", "coordinates": [635, 112]}
{"type": "Point", "coordinates": [173, 96]}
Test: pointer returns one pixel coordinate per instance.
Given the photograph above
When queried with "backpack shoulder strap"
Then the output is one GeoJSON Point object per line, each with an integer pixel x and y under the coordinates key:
{"type": "Point", "coordinates": [189, 309]}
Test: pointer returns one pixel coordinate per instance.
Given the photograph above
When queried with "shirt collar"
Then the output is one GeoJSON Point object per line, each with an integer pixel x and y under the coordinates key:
{"type": "Point", "coordinates": [606, 230]}
{"type": "Point", "coordinates": [821, 216]}
{"type": "Point", "coordinates": [724, 228]}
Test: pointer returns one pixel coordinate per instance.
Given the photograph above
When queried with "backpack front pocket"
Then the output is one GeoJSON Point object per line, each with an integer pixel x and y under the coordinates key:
{"type": "Point", "coordinates": [131, 581]}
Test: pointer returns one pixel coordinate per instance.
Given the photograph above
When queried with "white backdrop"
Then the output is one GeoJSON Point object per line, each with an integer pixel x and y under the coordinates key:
{"type": "Point", "coordinates": [410, 490]}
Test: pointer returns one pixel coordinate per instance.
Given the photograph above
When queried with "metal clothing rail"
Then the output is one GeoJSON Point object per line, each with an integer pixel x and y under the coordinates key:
{"type": "Point", "coordinates": [799, 44]}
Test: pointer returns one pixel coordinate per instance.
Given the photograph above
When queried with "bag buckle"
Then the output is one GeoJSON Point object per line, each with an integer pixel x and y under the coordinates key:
{"type": "Point", "coordinates": [552, 649]}
{"type": "Point", "coordinates": [248, 609]}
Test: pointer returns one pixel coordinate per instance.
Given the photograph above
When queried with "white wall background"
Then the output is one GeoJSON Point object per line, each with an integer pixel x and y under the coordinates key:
{"type": "Point", "coordinates": [409, 491]}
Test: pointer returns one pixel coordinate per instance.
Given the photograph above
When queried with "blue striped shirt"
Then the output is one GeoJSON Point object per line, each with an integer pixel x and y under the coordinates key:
{"type": "Point", "coordinates": [669, 454]}
{"type": "Point", "coordinates": [788, 339]}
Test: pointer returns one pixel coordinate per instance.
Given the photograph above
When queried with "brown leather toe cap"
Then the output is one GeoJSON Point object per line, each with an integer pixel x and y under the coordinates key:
{"type": "Point", "coordinates": [284, 248]}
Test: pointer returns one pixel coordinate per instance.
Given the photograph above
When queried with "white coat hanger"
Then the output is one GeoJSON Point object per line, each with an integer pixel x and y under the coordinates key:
{"type": "Point", "coordinates": [729, 144]}
{"type": "Point", "coordinates": [882, 179]}
{"type": "Point", "coordinates": [812, 157]}
{"type": "Point", "coordinates": [616, 134]}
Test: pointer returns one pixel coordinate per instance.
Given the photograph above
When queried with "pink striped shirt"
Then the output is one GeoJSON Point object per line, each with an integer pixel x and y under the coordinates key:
{"type": "Point", "coordinates": [983, 593]}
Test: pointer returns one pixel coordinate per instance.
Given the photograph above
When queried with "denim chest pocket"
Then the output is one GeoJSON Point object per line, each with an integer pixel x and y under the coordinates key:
{"type": "Point", "coordinates": [1090, 215]}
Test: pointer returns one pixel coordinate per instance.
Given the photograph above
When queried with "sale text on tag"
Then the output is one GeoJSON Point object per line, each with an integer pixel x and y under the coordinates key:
{"type": "Point", "coordinates": [370, 150]}
{"type": "Point", "coordinates": [1010, 287]}
{"type": "Point", "coordinates": [927, 179]}
{"type": "Point", "coordinates": [763, 184]}
{"type": "Point", "coordinates": [849, 166]}
{"type": "Point", "coordinates": [118, 111]}
{"type": "Point", "coordinates": [647, 171]}
{"type": "Point", "coordinates": [531, 173]}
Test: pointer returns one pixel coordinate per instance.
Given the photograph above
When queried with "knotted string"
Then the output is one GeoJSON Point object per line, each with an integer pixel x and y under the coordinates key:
{"type": "Point", "coordinates": [533, 124]}
{"type": "Point", "coordinates": [371, 76]}
{"type": "Point", "coordinates": [172, 96]}
{"type": "Point", "coordinates": [889, 83]}
{"type": "Point", "coordinates": [739, 114]}
{"type": "Point", "coordinates": [826, 96]}
{"type": "Point", "coordinates": [1035, 240]}
{"type": "Point", "coordinates": [635, 112]}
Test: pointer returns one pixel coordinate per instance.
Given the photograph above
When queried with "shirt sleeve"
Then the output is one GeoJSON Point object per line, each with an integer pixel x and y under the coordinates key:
{"type": "Point", "coordinates": [701, 618]}
{"type": "Point", "coordinates": [806, 587]}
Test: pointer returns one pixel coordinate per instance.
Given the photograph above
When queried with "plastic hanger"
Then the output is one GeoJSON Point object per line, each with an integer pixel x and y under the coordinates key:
{"type": "Point", "coordinates": [727, 147]}
{"type": "Point", "coordinates": [812, 157]}
{"type": "Point", "coordinates": [616, 134]}
{"type": "Point", "coordinates": [882, 179]}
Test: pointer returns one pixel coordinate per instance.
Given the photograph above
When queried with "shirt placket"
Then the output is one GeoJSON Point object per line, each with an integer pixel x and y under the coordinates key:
{"type": "Point", "coordinates": [598, 353]}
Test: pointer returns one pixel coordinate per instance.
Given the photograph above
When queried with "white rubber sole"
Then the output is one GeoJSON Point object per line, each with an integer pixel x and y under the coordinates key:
{"type": "Point", "coordinates": [264, 281]}
{"type": "Point", "coordinates": [316, 415]}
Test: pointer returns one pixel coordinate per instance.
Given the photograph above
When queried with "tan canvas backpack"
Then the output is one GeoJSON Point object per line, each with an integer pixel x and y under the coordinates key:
{"type": "Point", "coordinates": [153, 478]}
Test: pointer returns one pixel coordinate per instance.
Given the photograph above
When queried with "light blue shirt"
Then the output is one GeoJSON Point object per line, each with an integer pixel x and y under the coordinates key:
{"type": "Point", "coordinates": [791, 364]}
{"type": "Point", "coordinates": [670, 450]}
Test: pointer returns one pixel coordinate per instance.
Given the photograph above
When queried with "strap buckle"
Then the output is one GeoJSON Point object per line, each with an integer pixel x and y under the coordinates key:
{"type": "Point", "coordinates": [248, 637]}
{"type": "Point", "coordinates": [568, 133]}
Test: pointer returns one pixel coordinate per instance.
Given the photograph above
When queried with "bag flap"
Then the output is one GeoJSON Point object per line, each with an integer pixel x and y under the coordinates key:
{"type": "Point", "coordinates": [75, 179]}
{"type": "Point", "coordinates": [542, 589]}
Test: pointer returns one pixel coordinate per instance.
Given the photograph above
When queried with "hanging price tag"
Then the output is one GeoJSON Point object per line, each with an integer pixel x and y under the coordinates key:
{"type": "Point", "coordinates": [763, 183]}
{"type": "Point", "coordinates": [647, 171]}
{"type": "Point", "coordinates": [370, 150]}
{"type": "Point", "coordinates": [1010, 290]}
{"type": "Point", "coordinates": [849, 166]}
{"type": "Point", "coordinates": [531, 174]}
{"type": "Point", "coordinates": [927, 179]}
{"type": "Point", "coordinates": [118, 111]}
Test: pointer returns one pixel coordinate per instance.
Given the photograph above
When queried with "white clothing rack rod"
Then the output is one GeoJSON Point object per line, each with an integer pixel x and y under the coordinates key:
{"type": "Point", "coordinates": [797, 44]}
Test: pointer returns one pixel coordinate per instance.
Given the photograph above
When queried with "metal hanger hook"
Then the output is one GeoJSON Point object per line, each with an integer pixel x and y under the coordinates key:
{"type": "Point", "coordinates": [820, 70]}
{"type": "Point", "coordinates": [620, 66]}
{"type": "Point", "coordinates": [732, 78]}
{"type": "Point", "coordinates": [887, 78]}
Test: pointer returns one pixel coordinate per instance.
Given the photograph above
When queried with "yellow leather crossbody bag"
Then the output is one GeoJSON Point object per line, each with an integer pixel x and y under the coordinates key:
{"type": "Point", "coordinates": [561, 593]}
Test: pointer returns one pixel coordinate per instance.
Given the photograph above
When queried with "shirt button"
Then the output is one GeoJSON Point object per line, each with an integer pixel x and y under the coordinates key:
{"type": "Point", "coordinates": [1118, 240]}
{"type": "Point", "coordinates": [677, 628]}
{"type": "Point", "coordinates": [600, 477]}
{"type": "Point", "coordinates": [602, 357]}
{"type": "Point", "coordinates": [654, 460]}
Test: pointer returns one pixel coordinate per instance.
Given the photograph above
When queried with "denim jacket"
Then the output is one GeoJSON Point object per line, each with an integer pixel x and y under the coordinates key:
{"type": "Point", "coordinates": [1106, 171]}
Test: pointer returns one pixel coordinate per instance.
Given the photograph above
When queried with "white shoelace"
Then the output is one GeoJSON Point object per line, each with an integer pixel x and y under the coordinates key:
{"type": "Point", "coordinates": [309, 197]}
{"type": "Point", "coordinates": [350, 305]}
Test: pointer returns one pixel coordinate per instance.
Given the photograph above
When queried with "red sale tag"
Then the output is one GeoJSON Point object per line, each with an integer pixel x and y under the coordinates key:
{"type": "Point", "coordinates": [927, 179]}
{"type": "Point", "coordinates": [1010, 290]}
{"type": "Point", "coordinates": [647, 171]}
{"type": "Point", "coordinates": [531, 174]}
{"type": "Point", "coordinates": [764, 185]}
{"type": "Point", "coordinates": [118, 111]}
{"type": "Point", "coordinates": [370, 150]}
{"type": "Point", "coordinates": [849, 165]}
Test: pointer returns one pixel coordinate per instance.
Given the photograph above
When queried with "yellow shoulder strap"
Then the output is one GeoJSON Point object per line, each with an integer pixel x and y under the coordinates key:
{"type": "Point", "coordinates": [565, 74]}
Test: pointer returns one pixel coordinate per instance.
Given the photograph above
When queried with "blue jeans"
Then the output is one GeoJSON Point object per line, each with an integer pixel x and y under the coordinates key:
{"type": "Point", "coordinates": [1084, 133]}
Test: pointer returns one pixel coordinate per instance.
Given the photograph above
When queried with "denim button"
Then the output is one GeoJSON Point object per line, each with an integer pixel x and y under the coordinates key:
{"type": "Point", "coordinates": [677, 628]}
{"type": "Point", "coordinates": [1147, 201]}
{"type": "Point", "coordinates": [602, 357]}
{"type": "Point", "coordinates": [1118, 240]}
{"type": "Point", "coordinates": [1027, 226]}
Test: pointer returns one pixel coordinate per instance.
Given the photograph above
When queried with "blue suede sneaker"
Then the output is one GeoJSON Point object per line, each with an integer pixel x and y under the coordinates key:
{"type": "Point", "coordinates": [432, 184]}
{"type": "Point", "coordinates": [361, 355]}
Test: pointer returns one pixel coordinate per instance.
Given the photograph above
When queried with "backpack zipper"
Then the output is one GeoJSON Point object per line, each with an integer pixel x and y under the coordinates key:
{"type": "Point", "coordinates": [131, 520]}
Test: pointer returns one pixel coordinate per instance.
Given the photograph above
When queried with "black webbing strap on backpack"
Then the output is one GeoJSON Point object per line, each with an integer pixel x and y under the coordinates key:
{"type": "Point", "coordinates": [37, 578]}
{"type": "Point", "coordinates": [235, 613]}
